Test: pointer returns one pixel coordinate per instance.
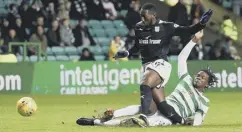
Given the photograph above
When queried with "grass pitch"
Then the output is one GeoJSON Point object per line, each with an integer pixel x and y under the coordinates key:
{"type": "Point", "coordinates": [59, 113]}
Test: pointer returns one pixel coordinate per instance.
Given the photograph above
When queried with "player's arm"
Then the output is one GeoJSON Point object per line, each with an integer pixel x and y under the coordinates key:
{"type": "Point", "coordinates": [183, 56]}
{"type": "Point", "coordinates": [126, 53]}
{"type": "Point", "coordinates": [180, 30]}
{"type": "Point", "coordinates": [196, 120]}
{"type": "Point", "coordinates": [135, 48]}
{"type": "Point", "coordinates": [201, 112]}
{"type": "Point", "coordinates": [199, 117]}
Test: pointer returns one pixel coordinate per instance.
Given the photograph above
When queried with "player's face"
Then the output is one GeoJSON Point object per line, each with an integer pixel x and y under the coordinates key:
{"type": "Point", "coordinates": [201, 80]}
{"type": "Point", "coordinates": [146, 17]}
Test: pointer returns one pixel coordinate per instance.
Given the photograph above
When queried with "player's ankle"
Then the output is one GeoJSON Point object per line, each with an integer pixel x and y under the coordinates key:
{"type": "Point", "coordinates": [97, 122]}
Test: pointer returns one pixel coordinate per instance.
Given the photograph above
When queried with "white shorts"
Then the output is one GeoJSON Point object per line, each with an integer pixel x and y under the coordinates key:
{"type": "Point", "coordinates": [162, 67]}
{"type": "Point", "coordinates": [158, 120]}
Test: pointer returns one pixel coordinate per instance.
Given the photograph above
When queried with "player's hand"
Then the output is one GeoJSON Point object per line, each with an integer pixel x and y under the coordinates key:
{"type": "Point", "coordinates": [198, 36]}
{"type": "Point", "coordinates": [206, 16]}
{"type": "Point", "coordinates": [121, 54]}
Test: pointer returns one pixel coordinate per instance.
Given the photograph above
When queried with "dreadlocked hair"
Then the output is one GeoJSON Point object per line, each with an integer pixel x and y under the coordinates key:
{"type": "Point", "coordinates": [212, 79]}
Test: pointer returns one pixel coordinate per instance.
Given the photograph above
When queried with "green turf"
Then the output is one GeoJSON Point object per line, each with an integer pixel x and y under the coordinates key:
{"type": "Point", "coordinates": [58, 114]}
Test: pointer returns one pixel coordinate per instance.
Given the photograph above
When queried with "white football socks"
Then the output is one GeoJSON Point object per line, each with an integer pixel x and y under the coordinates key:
{"type": "Point", "coordinates": [127, 111]}
{"type": "Point", "coordinates": [113, 122]}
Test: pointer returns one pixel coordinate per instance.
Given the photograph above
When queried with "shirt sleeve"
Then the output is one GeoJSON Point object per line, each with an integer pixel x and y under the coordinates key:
{"type": "Point", "coordinates": [135, 48]}
{"type": "Point", "coordinates": [199, 116]}
{"type": "Point", "coordinates": [201, 112]}
{"type": "Point", "coordinates": [189, 30]}
{"type": "Point", "coordinates": [182, 59]}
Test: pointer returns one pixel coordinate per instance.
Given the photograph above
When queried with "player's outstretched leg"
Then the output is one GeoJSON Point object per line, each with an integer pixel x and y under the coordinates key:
{"type": "Point", "coordinates": [127, 111]}
{"type": "Point", "coordinates": [126, 122]}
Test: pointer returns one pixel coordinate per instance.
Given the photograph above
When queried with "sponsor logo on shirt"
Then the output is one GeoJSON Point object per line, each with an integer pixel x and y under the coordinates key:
{"type": "Point", "coordinates": [157, 29]}
{"type": "Point", "coordinates": [149, 41]}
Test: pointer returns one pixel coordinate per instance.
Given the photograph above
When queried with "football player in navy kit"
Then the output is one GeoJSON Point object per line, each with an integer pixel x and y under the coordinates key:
{"type": "Point", "coordinates": [152, 41]}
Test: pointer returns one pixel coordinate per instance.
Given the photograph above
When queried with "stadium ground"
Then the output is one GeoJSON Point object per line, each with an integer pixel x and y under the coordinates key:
{"type": "Point", "coordinates": [58, 114]}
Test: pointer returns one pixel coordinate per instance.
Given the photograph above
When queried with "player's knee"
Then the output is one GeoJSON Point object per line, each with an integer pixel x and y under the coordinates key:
{"type": "Point", "coordinates": [152, 81]}
{"type": "Point", "coordinates": [147, 78]}
{"type": "Point", "coordinates": [149, 82]}
{"type": "Point", "coordinates": [145, 85]}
